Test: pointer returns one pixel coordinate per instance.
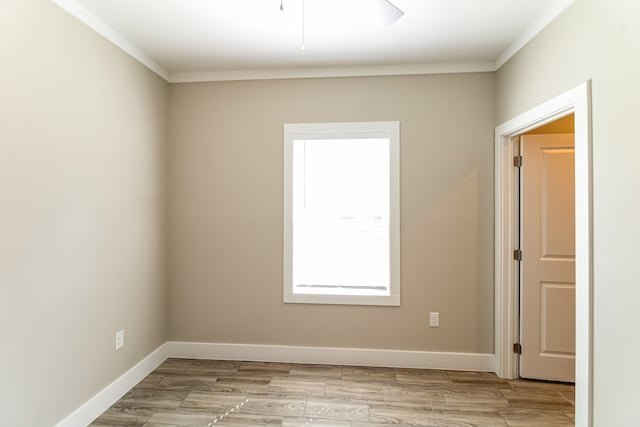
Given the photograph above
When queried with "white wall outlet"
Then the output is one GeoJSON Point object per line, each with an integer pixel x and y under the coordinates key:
{"type": "Point", "coordinates": [119, 339]}
{"type": "Point", "coordinates": [434, 319]}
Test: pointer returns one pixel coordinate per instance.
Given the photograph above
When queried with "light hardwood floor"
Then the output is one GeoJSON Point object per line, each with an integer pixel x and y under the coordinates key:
{"type": "Point", "coordinates": [207, 393]}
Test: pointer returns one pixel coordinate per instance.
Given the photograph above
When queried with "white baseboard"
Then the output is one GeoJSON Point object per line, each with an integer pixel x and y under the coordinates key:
{"type": "Point", "coordinates": [99, 403]}
{"type": "Point", "coordinates": [333, 356]}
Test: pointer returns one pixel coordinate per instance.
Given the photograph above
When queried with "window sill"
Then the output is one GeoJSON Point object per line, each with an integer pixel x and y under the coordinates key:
{"type": "Point", "coordinates": [386, 300]}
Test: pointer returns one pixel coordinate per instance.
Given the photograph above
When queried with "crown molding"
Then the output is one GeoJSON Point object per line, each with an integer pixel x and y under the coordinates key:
{"type": "Point", "coordinates": [532, 31]}
{"type": "Point", "coordinates": [78, 11]}
{"type": "Point", "coordinates": [308, 73]}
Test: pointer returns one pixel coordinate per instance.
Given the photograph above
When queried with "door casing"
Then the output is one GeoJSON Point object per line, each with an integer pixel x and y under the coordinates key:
{"type": "Point", "coordinates": [578, 102]}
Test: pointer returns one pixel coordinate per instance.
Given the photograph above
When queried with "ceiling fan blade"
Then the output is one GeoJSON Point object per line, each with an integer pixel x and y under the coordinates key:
{"type": "Point", "coordinates": [389, 13]}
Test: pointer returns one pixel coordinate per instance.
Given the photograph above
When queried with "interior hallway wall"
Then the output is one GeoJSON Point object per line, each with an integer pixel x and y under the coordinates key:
{"type": "Point", "coordinates": [563, 125]}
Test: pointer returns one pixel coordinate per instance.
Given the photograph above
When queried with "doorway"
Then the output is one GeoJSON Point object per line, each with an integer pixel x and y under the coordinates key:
{"type": "Point", "coordinates": [576, 101]}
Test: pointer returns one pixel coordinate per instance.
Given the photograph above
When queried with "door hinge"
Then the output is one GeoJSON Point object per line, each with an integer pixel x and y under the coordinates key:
{"type": "Point", "coordinates": [517, 348]}
{"type": "Point", "coordinates": [517, 161]}
{"type": "Point", "coordinates": [517, 255]}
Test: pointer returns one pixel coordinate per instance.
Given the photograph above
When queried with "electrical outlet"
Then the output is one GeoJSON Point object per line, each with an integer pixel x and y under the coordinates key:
{"type": "Point", "coordinates": [434, 319]}
{"type": "Point", "coordinates": [119, 339]}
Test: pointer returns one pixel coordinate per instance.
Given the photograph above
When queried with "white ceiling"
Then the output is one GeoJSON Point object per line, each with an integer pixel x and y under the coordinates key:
{"type": "Point", "coordinates": [196, 40]}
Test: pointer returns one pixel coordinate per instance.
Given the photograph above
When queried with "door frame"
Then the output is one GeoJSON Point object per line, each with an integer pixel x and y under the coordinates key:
{"type": "Point", "coordinates": [577, 101]}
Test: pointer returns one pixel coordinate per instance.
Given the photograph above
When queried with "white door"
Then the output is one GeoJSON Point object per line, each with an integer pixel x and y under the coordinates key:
{"type": "Point", "coordinates": [547, 295]}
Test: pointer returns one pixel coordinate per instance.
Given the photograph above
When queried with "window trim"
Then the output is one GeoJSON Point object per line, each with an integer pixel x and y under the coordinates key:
{"type": "Point", "coordinates": [346, 130]}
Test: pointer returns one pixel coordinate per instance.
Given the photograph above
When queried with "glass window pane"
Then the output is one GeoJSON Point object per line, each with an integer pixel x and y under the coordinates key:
{"type": "Point", "coordinates": [341, 216]}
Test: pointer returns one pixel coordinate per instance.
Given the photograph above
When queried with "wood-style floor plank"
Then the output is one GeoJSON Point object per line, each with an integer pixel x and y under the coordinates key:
{"type": "Point", "coordinates": [208, 393]}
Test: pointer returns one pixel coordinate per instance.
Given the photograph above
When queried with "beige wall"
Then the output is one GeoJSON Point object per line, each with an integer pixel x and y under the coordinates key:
{"type": "Point", "coordinates": [598, 40]}
{"type": "Point", "coordinates": [81, 246]}
{"type": "Point", "coordinates": [226, 215]}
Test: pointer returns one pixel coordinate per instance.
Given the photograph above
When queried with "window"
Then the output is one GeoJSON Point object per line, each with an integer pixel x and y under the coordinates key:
{"type": "Point", "coordinates": [341, 219]}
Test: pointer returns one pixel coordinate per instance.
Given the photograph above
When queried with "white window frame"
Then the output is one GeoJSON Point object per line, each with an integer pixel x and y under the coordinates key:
{"type": "Point", "coordinates": [348, 130]}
